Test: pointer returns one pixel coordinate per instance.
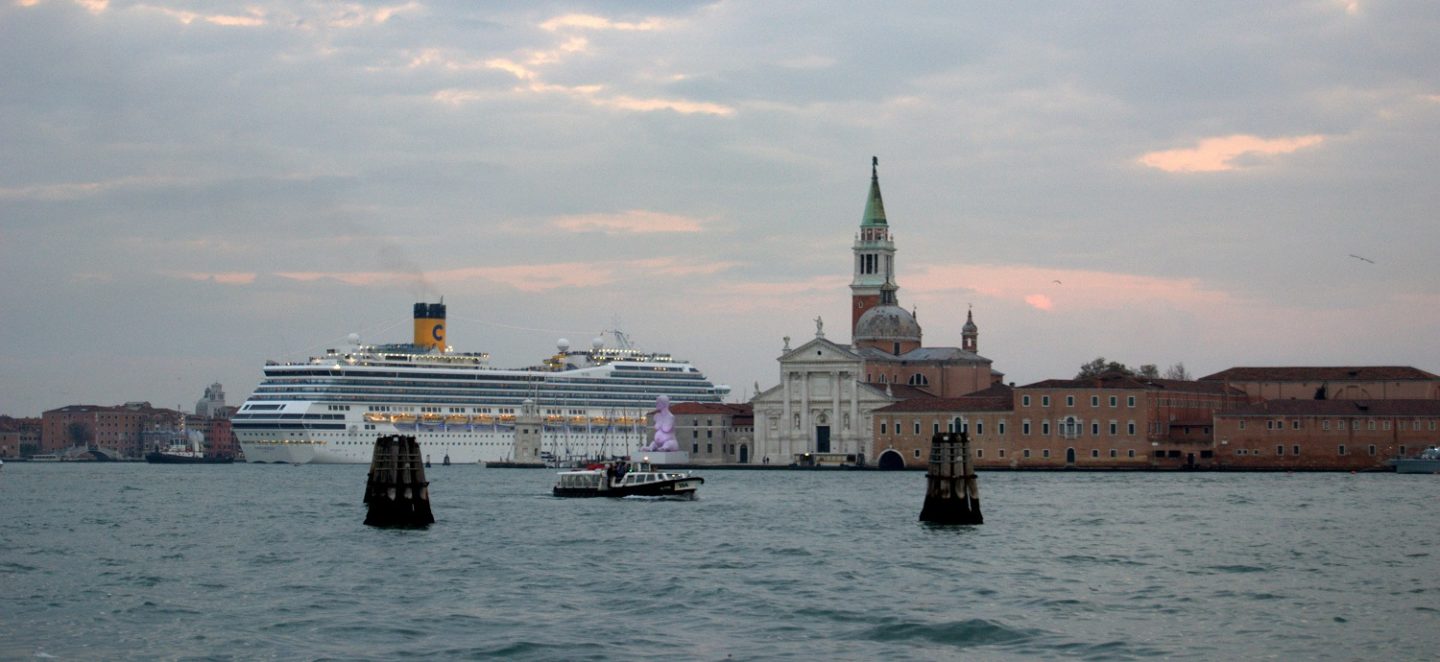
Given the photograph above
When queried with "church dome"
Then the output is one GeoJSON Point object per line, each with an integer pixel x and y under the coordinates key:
{"type": "Point", "coordinates": [887, 323]}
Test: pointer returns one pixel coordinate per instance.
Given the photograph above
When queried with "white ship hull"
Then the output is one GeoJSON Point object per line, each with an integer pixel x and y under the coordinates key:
{"type": "Point", "coordinates": [466, 444]}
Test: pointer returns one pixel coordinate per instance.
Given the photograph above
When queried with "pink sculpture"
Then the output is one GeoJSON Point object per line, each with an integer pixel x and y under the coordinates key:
{"type": "Point", "coordinates": [664, 428]}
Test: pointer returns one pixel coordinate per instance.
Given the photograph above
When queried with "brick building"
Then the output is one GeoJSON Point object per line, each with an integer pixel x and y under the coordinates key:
{"type": "Point", "coordinates": [714, 433]}
{"type": "Point", "coordinates": [903, 430]}
{"type": "Point", "coordinates": [19, 436]}
{"type": "Point", "coordinates": [115, 431]}
{"type": "Point", "coordinates": [1332, 383]}
{"type": "Point", "coordinates": [1324, 434]}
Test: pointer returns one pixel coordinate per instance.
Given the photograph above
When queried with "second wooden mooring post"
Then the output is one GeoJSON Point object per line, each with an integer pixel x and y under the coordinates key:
{"type": "Point", "coordinates": [396, 490]}
{"type": "Point", "coordinates": [951, 494]}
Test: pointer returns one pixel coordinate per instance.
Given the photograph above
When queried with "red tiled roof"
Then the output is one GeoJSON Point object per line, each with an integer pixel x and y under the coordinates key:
{"type": "Point", "coordinates": [998, 397]}
{"type": "Point", "coordinates": [1116, 380]}
{"type": "Point", "coordinates": [1336, 408]}
{"type": "Point", "coordinates": [1321, 374]}
{"type": "Point", "coordinates": [727, 409]}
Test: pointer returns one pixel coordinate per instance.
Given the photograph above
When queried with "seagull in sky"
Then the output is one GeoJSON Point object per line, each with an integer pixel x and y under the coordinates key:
{"type": "Point", "coordinates": [1362, 258]}
{"type": "Point", "coordinates": [1057, 282]}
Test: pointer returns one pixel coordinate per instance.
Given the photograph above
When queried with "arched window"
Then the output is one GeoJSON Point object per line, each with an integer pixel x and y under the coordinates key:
{"type": "Point", "coordinates": [1069, 427]}
{"type": "Point", "coordinates": [918, 379]}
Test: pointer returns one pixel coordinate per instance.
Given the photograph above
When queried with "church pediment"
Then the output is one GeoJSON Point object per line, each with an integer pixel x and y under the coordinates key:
{"type": "Point", "coordinates": [820, 350]}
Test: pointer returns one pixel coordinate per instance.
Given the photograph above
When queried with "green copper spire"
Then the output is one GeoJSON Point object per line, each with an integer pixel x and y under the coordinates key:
{"type": "Point", "coordinates": [874, 206]}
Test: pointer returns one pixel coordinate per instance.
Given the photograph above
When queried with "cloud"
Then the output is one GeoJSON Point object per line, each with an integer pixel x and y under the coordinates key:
{"type": "Point", "coordinates": [1039, 301]}
{"type": "Point", "coordinates": [591, 22]}
{"type": "Point", "coordinates": [530, 277]}
{"type": "Point", "coordinates": [256, 17]}
{"type": "Point", "coordinates": [1218, 154]}
{"type": "Point", "coordinates": [224, 278]}
{"type": "Point", "coordinates": [635, 221]}
{"type": "Point", "coordinates": [1079, 289]}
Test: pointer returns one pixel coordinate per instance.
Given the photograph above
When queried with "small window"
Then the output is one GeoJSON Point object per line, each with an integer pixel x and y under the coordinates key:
{"type": "Point", "coordinates": [979, 453]}
{"type": "Point", "coordinates": [1001, 452]}
{"type": "Point", "coordinates": [1370, 424]}
{"type": "Point", "coordinates": [1114, 401]}
{"type": "Point", "coordinates": [1242, 424]}
{"type": "Point", "coordinates": [882, 427]}
{"type": "Point", "coordinates": [1024, 401]}
{"type": "Point", "coordinates": [1045, 453]}
{"type": "Point", "coordinates": [1114, 453]}
{"type": "Point", "coordinates": [917, 452]}
{"type": "Point", "coordinates": [1026, 453]}
{"type": "Point", "coordinates": [1044, 401]}
{"type": "Point", "coordinates": [1295, 450]}
{"type": "Point", "coordinates": [1130, 428]}
{"type": "Point", "coordinates": [1130, 453]}
{"type": "Point", "coordinates": [1295, 424]}
{"type": "Point", "coordinates": [1094, 452]}
{"type": "Point", "coordinates": [1279, 450]}
{"type": "Point", "coordinates": [1130, 402]}
{"type": "Point", "coordinates": [709, 448]}
{"type": "Point", "coordinates": [1002, 428]}
{"type": "Point", "coordinates": [936, 429]}
{"type": "Point", "coordinates": [1371, 448]}
{"type": "Point", "coordinates": [917, 427]}
{"type": "Point", "coordinates": [979, 428]}
{"type": "Point", "coordinates": [1095, 428]}
{"type": "Point", "coordinates": [1044, 428]}
{"type": "Point", "coordinates": [1325, 424]}
{"type": "Point", "coordinates": [1094, 401]}
{"type": "Point", "coordinates": [1069, 401]}
{"type": "Point", "coordinates": [1025, 429]}
{"type": "Point", "coordinates": [1385, 425]}
{"type": "Point", "coordinates": [1114, 428]}
{"type": "Point", "coordinates": [1342, 449]}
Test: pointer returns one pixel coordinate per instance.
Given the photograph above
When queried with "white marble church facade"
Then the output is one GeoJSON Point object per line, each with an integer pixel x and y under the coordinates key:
{"type": "Point", "coordinates": [821, 412]}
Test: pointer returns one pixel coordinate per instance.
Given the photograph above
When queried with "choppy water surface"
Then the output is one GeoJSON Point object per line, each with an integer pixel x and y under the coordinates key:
{"type": "Point", "coordinates": [243, 561]}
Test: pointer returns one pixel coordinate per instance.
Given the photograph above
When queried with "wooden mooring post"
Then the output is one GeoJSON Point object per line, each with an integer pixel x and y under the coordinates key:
{"type": "Point", "coordinates": [951, 494]}
{"type": "Point", "coordinates": [396, 490]}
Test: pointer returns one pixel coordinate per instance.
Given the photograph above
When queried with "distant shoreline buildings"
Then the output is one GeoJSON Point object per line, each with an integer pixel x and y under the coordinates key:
{"type": "Point", "coordinates": [877, 400]}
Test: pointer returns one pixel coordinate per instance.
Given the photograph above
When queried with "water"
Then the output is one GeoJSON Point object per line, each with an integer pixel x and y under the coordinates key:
{"type": "Point", "coordinates": [122, 561]}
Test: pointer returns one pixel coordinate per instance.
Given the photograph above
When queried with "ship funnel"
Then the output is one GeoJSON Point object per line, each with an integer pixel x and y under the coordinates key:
{"type": "Point", "coordinates": [430, 325]}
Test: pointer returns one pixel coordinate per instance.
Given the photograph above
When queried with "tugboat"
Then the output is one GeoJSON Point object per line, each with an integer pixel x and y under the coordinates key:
{"type": "Point", "coordinates": [622, 479]}
{"type": "Point", "coordinates": [182, 454]}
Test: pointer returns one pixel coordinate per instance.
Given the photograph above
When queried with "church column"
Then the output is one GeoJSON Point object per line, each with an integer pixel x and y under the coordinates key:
{"type": "Point", "coordinates": [787, 426]}
{"type": "Point", "coordinates": [861, 433]}
{"type": "Point", "coordinates": [837, 432]}
{"type": "Point", "coordinates": [806, 426]}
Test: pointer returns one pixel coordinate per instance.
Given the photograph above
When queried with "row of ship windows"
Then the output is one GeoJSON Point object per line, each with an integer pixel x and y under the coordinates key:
{"type": "Point", "coordinates": [1339, 424]}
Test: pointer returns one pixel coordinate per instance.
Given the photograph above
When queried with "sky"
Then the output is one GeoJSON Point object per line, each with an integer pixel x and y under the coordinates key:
{"type": "Point", "coordinates": [188, 190]}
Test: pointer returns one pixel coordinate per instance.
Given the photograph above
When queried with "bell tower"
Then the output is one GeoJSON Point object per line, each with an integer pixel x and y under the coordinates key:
{"type": "Point", "coordinates": [874, 280]}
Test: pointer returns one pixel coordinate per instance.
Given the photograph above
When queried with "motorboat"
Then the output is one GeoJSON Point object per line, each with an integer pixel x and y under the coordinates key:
{"type": "Point", "coordinates": [621, 478]}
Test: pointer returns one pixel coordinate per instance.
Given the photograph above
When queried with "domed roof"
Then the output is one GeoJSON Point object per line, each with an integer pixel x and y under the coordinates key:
{"type": "Point", "coordinates": [969, 324]}
{"type": "Point", "coordinates": [889, 323]}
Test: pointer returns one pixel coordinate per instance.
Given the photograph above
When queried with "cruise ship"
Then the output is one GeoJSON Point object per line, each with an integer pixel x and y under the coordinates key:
{"type": "Point", "coordinates": [329, 409]}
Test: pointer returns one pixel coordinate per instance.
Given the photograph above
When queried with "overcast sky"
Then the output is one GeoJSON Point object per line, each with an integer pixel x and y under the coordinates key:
{"type": "Point", "coordinates": [190, 189]}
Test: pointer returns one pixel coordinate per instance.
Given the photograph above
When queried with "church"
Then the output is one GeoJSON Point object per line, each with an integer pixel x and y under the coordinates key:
{"type": "Point", "coordinates": [821, 412]}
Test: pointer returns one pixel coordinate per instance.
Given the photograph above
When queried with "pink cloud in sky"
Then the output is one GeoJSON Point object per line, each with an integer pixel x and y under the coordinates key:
{"type": "Point", "coordinates": [224, 278]}
{"type": "Point", "coordinates": [1039, 301]}
{"type": "Point", "coordinates": [528, 277]}
{"type": "Point", "coordinates": [1077, 289]}
{"type": "Point", "coordinates": [634, 221]}
{"type": "Point", "coordinates": [1218, 154]}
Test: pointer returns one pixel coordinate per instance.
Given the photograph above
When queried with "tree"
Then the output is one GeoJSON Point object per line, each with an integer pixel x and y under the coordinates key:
{"type": "Point", "coordinates": [1148, 371]}
{"type": "Point", "coordinates": [1100, 366]}
{"type": "Point", "coordinates": [78, 433]}
{"type": "Point", "coordinates": [1178, 371]}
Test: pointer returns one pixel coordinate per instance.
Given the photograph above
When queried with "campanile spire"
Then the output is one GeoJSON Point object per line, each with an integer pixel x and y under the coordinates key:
{"type": "Point", "coordinates": [874, 251]}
